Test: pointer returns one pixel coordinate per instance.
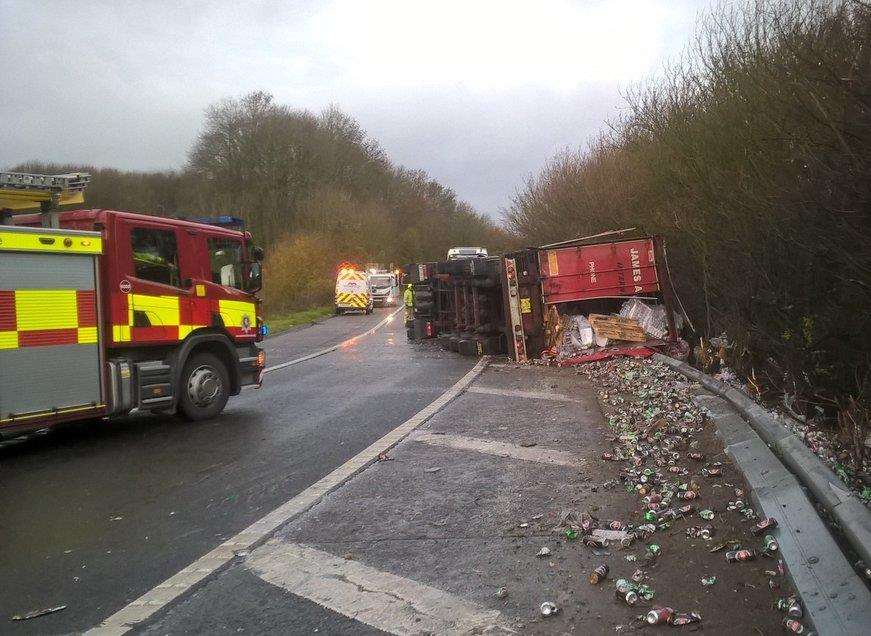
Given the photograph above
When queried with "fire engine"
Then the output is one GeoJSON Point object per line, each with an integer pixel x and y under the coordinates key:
{"type": "Point", "coordinates": [105, 313]}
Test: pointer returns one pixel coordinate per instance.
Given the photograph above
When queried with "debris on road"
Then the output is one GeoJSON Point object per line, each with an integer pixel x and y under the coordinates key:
{"type": "Point", "coordinates": [38, 613]}
{"type": "Point", "coordinates": [599, 574]}
{"type": "Point", "coordinates": [667, 458]}
{"type": "Point", "coordinates": [548, 609]}
{"type": "Point", "coordinates": [545, 551]}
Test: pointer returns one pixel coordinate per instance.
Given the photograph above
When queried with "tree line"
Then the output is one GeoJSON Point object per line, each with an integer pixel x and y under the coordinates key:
{"type": "Point", "coordinates": [752, 157]}
{"type": "Point", "coordinates": [314, 189]}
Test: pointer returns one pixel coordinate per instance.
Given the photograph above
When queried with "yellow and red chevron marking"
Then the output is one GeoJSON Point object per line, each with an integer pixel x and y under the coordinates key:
{"type": "Point", "coordinates": [47, 317]}
{"type": "Point", "coordinates": [351, 300]}
{"type": "Point", "coordinates": [171, 318]}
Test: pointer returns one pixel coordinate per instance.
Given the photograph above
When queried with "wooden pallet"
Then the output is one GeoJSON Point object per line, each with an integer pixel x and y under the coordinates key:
{"type": "Point", "coordinates": [617, 328]}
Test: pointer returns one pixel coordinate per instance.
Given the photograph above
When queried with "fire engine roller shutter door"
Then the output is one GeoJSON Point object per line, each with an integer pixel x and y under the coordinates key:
{"type": "Point", "coordinates": [49, 350]}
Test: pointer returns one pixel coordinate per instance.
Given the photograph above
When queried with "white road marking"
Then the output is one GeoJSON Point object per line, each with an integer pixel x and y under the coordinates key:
{"type": "Point", "coordinates": [383, 600]}
{"type": "Point", "coordinates": [184, 581]}
{"type": "Point", "coordinates": [533, 395]}
{"type": "Point", "coordinates": [501, 449]}
{"type": "Point", "coordinates": [344, 343]}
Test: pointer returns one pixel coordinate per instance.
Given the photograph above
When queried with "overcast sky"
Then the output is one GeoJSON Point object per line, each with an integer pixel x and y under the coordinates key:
{"type": "Point", "coordinates": [480, 94]}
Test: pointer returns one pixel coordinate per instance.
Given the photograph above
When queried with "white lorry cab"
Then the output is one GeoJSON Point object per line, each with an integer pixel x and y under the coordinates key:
{"type": "Point", "coordinates": [385, 289]}
{"type": "Point", "coordinates": [456, 253]}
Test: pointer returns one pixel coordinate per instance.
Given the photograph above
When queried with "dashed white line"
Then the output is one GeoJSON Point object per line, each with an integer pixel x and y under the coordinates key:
{"type": "Point", "coordinates": [501, 449]}
{"type": "Point", "coordinates": [184, 581]}
{"type": "Point", "coordinates": [383, 600]}
{"type": "Point", "coordinates": [532, 395]}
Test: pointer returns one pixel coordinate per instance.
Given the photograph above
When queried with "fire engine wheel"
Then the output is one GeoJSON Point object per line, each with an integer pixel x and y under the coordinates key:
{"type": "Point", "coordinates": [204, 387]}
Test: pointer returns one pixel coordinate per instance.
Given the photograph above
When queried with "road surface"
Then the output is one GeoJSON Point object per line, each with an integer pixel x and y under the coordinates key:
{"type": "Point", "coordinates": [95, 516]}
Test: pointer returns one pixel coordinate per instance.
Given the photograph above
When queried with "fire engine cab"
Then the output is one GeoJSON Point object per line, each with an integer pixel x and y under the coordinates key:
{"type": "Point", "coordinates": [104, 313]}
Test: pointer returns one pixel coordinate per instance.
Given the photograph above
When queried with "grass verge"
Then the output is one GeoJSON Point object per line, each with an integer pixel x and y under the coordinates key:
{"type": "Point", "coordinates": [283, 322]}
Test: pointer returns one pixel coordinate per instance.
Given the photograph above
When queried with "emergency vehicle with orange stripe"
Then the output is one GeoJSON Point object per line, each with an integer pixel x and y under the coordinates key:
{"type": "Point", "coordinates": [111, 312]}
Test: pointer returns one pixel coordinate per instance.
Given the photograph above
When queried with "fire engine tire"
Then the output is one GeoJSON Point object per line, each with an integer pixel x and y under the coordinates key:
{"type": "Point", "coordinates": [204, 387]}
{"type": "Point", "coordinates": [339, 311]}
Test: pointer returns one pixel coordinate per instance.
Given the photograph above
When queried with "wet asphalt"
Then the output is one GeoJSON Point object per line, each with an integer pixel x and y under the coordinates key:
{"type": "Point", "coordinates": [96, 515]}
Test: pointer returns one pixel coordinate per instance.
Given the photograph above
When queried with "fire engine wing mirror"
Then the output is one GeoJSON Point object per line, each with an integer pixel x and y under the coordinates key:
{"type": "Point", "coordinates": [255, 277]}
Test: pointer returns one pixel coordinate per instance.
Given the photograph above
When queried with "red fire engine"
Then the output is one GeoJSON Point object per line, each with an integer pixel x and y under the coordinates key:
{"type": "Point", "coordinates": [108, 312]}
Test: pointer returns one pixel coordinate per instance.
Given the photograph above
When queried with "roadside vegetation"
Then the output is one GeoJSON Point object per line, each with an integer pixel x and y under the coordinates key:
{"type": "Point", "coordinates": [752, 156]}
{"type": "Point", "coordinates": [313, 189]}
{"type": "Point", "coordinates": [279, 322]}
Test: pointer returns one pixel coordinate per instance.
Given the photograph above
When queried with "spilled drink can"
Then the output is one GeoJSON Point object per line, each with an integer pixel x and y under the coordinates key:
{"type": "Point", "coordinates": [764, 526]}
{"type": "Point", "coordinates": [659, 616]}
{"type": "Point", "coordinates": [733, 556]}
{"type": "Point", "coordinates": [630, 597]}
{"type": "Point", "coordinates": [793, 625]}
{"type": "Point", "coordinates": [599, 574]}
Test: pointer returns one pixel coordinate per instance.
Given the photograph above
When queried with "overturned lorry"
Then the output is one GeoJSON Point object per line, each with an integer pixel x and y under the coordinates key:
{"type": "Point", "coordinates": [523, 303]}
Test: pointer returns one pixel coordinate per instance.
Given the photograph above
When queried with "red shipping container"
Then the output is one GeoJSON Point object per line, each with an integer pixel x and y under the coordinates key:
{"type": "Point", "coordinates": [604, 270]}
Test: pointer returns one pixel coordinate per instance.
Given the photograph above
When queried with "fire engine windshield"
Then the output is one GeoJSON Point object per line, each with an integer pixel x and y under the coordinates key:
{"type": "Point", "coordinates": [155, 255]}
{"type": "Point", "coordinates": [226, 259]}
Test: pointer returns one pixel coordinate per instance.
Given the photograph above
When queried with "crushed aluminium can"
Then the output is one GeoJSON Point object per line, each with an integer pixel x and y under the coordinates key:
{"type": "Point", "coordinates": [599, 574]}
{"type": "Point", "coordinates": [793, 626]}
{"type": "Point", "coordinates": [548, 609]}
{"type": "Point", "coordinates": [685, 618]}
{"type": "Point", "coordinates": [770, 545]}
{"type": "Point", "coordinates": [795, 609]}
{"type": "Point", "coordinates": [659, 616]}
{"type": "Point", "coordinates": [629, 597]}
{"type": "Point", "coordinates": [769, 523]}
{"type": "Point", "coordinates": [734, 556]}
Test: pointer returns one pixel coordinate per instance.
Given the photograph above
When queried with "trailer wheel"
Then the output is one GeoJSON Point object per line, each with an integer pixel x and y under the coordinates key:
{"type": "Point", "coordinates": [339, 311]}
{"type": "Point", "coordinates": [204, 387]}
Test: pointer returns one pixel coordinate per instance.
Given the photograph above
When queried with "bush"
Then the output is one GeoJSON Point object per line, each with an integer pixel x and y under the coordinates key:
{"type": "Point", "coordinates": [753, 158]}
{"type": "Point", "coordinates": [301, 270]}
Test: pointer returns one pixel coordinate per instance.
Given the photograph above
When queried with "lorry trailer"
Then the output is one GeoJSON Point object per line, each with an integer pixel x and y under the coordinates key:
{"type": "Point", "coordinates": [511, 304]}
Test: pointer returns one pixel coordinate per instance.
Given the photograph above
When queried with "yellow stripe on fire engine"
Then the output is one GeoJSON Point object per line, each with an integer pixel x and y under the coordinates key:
{"type": "Point", "coordinates": [185, 330]}
{"type": "Point", "coordinates": [121, 333]}
{"type": "Point", "coordinates": [8, 339]}
{"type": "Point", "coordinates": [46, 309]}
{"type": "Point", "coordinates": [233, 312]}
{"type": "Point", "coordinates": [162, 311]}
{"type": "Point", "coordinates": [36, 241]}
{"type": "Point", "coordinates": [87, 335]}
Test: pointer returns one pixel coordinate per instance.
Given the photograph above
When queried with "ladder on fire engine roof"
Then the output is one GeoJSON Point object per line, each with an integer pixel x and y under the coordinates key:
{"type": "Point", "coordinates": [22, 191]}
